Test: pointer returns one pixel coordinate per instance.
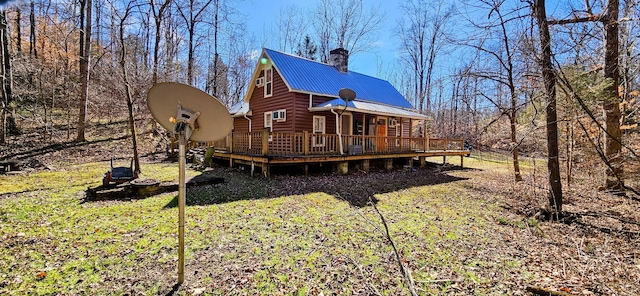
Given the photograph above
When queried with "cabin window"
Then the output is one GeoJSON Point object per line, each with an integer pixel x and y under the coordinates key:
{"type": "Point", "coordinates": [268, 82]}
{"type": "Point", "coordinates": [319, 127]}
{"type": "Point", "coordinates": [280, 115]}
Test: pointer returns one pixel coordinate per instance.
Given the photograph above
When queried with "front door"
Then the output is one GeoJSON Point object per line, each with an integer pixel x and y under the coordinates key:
{"type": "Point", "coordinates": [346, 129]}
{"type": "Point", "coordinates": [382, 134]}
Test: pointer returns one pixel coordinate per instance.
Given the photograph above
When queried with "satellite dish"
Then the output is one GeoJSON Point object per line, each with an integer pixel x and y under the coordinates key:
{"type": "Point", "coordinates": [347, 94]}
{"type": "Point", "coordinates": [192, 115]}
{"type": "Point", "coordinates": [171, 102]}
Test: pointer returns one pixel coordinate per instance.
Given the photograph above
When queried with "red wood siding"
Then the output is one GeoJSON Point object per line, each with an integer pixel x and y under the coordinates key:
{"type": "Point", "coordinates": [241, 125]}
{"type": "Point", "coordinates": [281, 99]}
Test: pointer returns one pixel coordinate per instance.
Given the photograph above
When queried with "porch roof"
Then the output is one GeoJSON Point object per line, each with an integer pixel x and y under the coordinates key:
{"type": "Point", "coordinates": [368, 107]}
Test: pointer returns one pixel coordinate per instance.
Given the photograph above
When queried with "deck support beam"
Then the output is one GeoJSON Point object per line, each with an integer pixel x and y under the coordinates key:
{"type": "Point", "coordinates": [365, 165]}
{"type": "Point", "coordinates": [343, 167]}
{"type": "Point", "coordinates": [388, 164]}
{"type": "Point", "coordinates": [423, 161]}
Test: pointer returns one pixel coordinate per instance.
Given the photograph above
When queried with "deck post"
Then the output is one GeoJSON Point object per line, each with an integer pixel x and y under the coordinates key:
{"type": "Point", "coordinates": [342, 167]}
{"type": "Point", "coordinates": [388, 164]}
{"type": "Point", "coordinates": [461, 161]}
{"type": "Point", "coordinates": [444, 159]}
{"type": "Point", "coordinates": [265, 170]}
{"type": "Point", "coordinates": [423, 161]}
{"type": "Point", "coordinates": [265, 141]}
{"type": "Point", "coordinates": [365, 165]}
{"type": "Point", "coordinates": [305, 144]}
{"type": "Point", "coordinates": [426, 147]}
{"type": "Point", "coordinates": [306, 169]}
{"type": "Point", "coordinates": [230, 161]}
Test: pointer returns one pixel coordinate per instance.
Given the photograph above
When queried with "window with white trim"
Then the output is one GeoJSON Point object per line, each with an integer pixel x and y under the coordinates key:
{"type": "Point", "coordinates": [280, 115]}
{"type": "Point", "coordinates": [268, 82]}
{"type": "Point", "coordinates": [319, 128]}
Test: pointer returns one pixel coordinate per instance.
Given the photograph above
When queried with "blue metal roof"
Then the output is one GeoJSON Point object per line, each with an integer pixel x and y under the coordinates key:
{"type": "Point", "coordinates": [313, 77]}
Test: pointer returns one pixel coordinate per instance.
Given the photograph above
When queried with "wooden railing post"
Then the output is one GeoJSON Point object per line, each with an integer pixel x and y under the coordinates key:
{"type": "Point", "coordinates": [230, 142]}
{"type": "Point", "coordinates": [305, 142]}
{"type": "Point", "coordinates": [265, 141]}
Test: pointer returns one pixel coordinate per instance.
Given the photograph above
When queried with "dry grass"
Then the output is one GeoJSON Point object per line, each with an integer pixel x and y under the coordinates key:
{"type": "Point", "coordinates": [470, 231]}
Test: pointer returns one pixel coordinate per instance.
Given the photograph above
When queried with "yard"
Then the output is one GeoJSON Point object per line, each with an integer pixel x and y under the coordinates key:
{"type": "Point", "coordinates": [458, 231]}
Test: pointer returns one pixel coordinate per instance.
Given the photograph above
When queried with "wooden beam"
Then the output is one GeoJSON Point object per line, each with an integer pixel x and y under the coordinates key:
{"type": "Point", "coordinates": [265, 141]}
{"type": "Point", "coordinates": [305, 142]}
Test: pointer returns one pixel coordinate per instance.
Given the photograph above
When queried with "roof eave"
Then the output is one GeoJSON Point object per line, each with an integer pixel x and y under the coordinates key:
{"type": "Point", "coordinates": [329, 108]}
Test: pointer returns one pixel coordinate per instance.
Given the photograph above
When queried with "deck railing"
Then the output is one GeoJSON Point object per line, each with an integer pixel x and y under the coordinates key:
{"type": "Point", "coordinates": [305, 144]}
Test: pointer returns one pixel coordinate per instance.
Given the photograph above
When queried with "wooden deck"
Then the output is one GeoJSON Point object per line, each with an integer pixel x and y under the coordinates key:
{"type": "Point", "coordinates": [266, 149]}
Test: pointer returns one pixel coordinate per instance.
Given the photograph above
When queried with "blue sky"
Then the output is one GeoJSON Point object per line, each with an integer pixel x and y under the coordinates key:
{"type": "Point", "coordinates": [261, 14]}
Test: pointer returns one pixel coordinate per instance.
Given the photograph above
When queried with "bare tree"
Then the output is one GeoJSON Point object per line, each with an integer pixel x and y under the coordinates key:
{"type": "Point", "coordinates": [18, 29]}
{"type": "Point", "coordinates": [85, 55]}
{"type": "Point", "coordinates": [32, 30]}
{"type": "Point", "coordinates": [549, 77]}
{"type": "Point", "coordinates": [503, 55]}
{"type": "Point", "coordinates": [192, 15]}
{"type": "Point", "coordinates": [291, 27]}
{"type": "Point", "coordinates": [422, 39]}
{"type": "Point", "coordinates": [614, 179]}
{"type": "Point", "coordinates": [123, 17]}
{"type": "Point", "coordinates": [346, 24]}
{"type": "Point", "coordinates": [8, 124]}
{"type": "Point", "coordinates": [614, 175]}
{"type": "Point", "coordinates": [240, 64]}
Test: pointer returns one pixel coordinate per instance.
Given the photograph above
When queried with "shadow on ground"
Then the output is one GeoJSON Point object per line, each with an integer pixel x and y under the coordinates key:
{"type": "Point", "coordinates": [357, 188]}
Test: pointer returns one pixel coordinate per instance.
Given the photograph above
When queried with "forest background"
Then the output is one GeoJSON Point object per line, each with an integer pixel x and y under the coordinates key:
{"type": "Point", "coordinates": [485, 71]}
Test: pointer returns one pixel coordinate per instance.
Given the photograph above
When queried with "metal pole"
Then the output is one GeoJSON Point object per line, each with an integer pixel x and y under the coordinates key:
{"type": "Point", "coordinates": [181, 205]}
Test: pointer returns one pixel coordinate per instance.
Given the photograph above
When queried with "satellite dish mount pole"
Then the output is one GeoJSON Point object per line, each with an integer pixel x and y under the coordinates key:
{"type": "Point", "coordinates": [185, 124]}
{"type": "Point", "coordinates": [213, 123]}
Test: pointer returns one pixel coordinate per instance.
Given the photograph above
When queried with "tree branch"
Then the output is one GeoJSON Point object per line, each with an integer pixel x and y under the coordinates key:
{"type": "Point", "coordinates": [405, 272]}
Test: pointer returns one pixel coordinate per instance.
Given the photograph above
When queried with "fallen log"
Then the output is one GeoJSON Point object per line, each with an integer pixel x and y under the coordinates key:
{"type": "Point", "coordinates": [546, 292]}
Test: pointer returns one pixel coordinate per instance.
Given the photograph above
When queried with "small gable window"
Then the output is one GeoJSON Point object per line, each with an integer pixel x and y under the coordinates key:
{"type": "Point", "coordinates": [268, 82]}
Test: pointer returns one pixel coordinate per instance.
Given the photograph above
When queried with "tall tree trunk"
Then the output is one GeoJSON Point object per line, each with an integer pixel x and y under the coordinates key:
{"type": "Point", "coordinates": [18, 33]}
{"type": "Point", "coordinates": [549, 77]}
{"type": "Point", "coordinates": [128, 93]}
{"type": "Point", "coordinates": [611, 104]}
{"type": "Point", "coordinates": [85, 55]}
{"type": "Point", "coordinates": [157, 17]}
{"type": "Point", "coordinates": [9, 126]}
{"type": "Point", "coordinates": [215, 48]}
{"type": "Point", "coordinates": [32, 31]}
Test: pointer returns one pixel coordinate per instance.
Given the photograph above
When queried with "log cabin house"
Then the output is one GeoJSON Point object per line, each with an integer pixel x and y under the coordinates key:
{"type": "Point", "coordinates": [292, 115]}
